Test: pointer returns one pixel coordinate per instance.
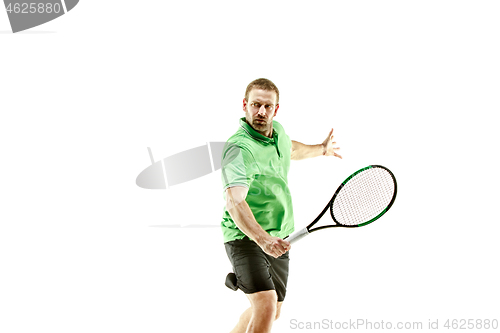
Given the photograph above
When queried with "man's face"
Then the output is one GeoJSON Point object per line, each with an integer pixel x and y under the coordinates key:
{"type": "Point", "coordinates": [260, 110]}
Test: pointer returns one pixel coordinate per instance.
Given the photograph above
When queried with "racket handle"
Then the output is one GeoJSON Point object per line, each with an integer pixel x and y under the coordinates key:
{"type": "Point", "coordinates": [298, 235]}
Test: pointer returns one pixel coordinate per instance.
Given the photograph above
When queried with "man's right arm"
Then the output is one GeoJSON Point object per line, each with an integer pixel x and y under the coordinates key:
{"type": "Point", "coordinates": [245, 220]}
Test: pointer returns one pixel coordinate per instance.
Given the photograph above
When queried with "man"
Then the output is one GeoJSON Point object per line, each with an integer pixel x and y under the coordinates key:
{"type": "Point", "coordinates": [258, 212]}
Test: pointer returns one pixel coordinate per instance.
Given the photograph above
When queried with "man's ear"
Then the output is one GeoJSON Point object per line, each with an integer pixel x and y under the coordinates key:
{"type": "Point", "coordinates": [276, 109]}
{"type": "Point", "coordinates": [245, 105]}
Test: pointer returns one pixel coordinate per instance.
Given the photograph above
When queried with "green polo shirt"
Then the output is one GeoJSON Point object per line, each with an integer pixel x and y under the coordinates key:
{"type": "Point", "coordinates": [261, 164]}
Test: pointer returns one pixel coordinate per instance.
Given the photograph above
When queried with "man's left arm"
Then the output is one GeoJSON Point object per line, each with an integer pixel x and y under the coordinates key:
{"type": "Point", "coordinates": [301, 151]}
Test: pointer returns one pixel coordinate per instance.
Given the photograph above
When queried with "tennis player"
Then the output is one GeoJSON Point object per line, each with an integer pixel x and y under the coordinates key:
{"type": "Point", "coordinates": [258, 212]}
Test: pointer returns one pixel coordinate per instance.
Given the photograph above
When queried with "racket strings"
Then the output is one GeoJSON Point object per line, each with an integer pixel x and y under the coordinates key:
{"type": "Point", "coordinates": [363, 197]}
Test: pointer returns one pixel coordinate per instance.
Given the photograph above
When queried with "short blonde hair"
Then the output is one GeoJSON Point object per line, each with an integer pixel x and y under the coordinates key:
{"type": "Point", "coordinates": [263, 84]}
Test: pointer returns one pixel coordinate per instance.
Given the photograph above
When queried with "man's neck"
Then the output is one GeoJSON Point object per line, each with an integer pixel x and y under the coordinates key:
{"type": "Point", "coordinates": [270, 133]}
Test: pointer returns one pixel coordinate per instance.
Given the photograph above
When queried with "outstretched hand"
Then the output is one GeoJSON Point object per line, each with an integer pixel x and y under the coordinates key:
{"type": "Point", "coordinates": [328, 146]}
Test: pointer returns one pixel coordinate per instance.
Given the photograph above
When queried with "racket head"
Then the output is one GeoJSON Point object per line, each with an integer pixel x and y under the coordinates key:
{"type": "Point", "coordinates": [363, 197]}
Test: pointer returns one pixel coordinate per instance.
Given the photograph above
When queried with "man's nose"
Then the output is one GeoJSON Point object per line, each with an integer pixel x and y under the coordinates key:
{"type": "Point", "coordinates": [262, 111]}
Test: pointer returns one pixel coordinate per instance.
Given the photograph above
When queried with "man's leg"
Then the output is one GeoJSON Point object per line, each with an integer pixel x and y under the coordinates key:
{"type": "Point", "coordinates": [278, 310]}
{"type": "Point", "coordinates": [264, 304]}
{"type": "Point", "coordinates": [245, 318]}
{"type": "Point", "coordinates": [242, 325]}
{"type": "Point", "coordinates": [263, 311]}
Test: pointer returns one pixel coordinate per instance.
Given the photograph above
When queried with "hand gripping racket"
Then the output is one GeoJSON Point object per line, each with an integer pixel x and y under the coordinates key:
{"type": "Point", "coordinates": [361, 199]}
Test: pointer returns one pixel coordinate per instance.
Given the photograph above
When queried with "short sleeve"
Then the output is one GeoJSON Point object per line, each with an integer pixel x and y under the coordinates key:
{"type": "Point", "coordinates": [238, 166]}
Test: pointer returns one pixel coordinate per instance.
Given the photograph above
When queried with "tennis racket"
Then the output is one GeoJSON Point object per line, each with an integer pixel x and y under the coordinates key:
{"type": "Point", "coordinates": [361, 199]}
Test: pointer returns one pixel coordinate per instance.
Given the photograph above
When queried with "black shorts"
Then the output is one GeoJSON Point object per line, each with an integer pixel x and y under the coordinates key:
{"type": "Point", "coordinates": [255, 270]}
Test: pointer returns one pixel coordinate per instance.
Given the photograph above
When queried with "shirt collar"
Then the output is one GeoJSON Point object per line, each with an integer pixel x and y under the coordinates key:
{"type": "Point", "coordinates": [254, 134]}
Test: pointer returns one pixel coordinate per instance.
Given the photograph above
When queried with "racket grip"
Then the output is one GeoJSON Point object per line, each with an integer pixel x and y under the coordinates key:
{"type": "Point", "coordinates": [298, 235]}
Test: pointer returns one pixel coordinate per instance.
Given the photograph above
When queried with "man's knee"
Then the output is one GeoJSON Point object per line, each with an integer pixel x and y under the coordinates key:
{"type": "Point", "coordinates": [264, 303]}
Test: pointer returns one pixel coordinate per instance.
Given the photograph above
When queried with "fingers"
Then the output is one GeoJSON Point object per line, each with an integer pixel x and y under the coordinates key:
{"type": "Point", "coordinates": [279, 247]}
{"type": "Point", "coordinates": [333, 153]}
{"type": "Point", "coordinates": [330, 135]}
{"type": "Point", "coordinates": [285, 244]}
{"type": "Point", "coordinates": [330, 150]}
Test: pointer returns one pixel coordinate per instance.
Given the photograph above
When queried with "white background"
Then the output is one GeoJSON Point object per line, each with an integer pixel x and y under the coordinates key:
{"type": "Point", "coordinates": [406, 84]}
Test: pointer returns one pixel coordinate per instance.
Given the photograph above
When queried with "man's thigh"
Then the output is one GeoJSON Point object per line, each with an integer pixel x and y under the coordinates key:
{"type": "Point", "coordinates": [264, 301]}
{"type": "Point", "coordinates": [278, 309]}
